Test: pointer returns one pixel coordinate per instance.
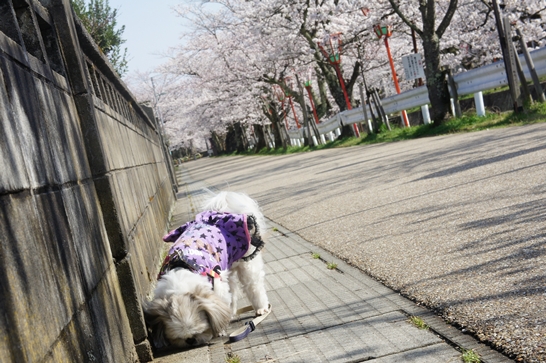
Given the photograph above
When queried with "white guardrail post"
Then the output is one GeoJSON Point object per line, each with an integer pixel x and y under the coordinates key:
{"type": "Point", "coordinates": [426, 114]}
{"type": "Point", "coordinates": [480, 106]}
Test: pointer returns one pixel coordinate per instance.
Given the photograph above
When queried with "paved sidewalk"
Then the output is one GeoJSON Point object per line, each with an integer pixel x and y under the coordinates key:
{"type": "Point", "coordinates": [323, 315]}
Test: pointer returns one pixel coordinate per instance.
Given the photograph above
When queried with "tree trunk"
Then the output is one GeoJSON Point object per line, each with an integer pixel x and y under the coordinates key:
{"type": "Point", "coordinates": [235, 139]}
{"type": "Point", "coordinates": [218, 145]}
{"type": "Point", "coordinates": [279, 132]}
{"type": "Point", "coordinates": [330, 77]}
{"type": "Point", "coordinates": [260, 139]}
{"type": "Point", "coordinates": [438, 92]}
{"type": "Point", "coordinates": [337, 92]}
{"type": "Point", "coordinates": [276, 127]}
{"type": "Point", "coordinates": [324, 105]}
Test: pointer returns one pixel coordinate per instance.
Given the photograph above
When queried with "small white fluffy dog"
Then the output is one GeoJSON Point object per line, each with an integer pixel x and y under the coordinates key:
{"type": "Point", "coordinates": [195, 295]}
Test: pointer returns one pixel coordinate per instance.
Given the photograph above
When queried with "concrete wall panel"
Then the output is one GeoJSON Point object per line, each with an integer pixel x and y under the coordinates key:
{"type": "Point", "coordinates": [63, 264]}
{"type": "Point", "coordinates": [87, 227]}
{"type": "Point", "coordinates": [53, 269]}
{"type": "Point", "coordinates": [14, 176]}
{"type": "Point", "coordinates": [26, 294]}
{"type": "Point", "coordinates": [145, 244]}
{"type": "Point", "coordinates": [106, 308]}
{"type": "Point", "coordinates": [85, 196]}
{"type": "Point", "coordinates": [34, 141]}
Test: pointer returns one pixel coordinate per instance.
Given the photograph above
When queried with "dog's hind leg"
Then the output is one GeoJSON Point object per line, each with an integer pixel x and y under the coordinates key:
{"type": "Point", "coordinates": [234, 288]}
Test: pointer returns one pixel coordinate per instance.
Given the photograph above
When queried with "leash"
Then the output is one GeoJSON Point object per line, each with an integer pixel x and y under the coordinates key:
{"type": "Point", "coordinates": [249, 326]}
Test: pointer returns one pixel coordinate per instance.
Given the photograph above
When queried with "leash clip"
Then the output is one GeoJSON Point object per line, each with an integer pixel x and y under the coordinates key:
{"type": "Point", "coordinates": [251, 325]}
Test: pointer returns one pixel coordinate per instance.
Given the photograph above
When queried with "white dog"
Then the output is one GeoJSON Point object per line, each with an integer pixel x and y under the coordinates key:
{"type": "Point", "coordinates": [195, 296]}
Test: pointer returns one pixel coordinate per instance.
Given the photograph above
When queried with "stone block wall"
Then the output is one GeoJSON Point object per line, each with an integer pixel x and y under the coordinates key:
{"type": "Point", "coordinates": [86, 189]}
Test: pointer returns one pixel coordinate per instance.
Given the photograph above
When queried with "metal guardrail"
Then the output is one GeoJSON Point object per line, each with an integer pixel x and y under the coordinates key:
{"type": "Point", "coordinates": [494, 75]}
{"type": "Point", "coordinates": [330, 125]}
{"type": "Point", "coordinates": [469, 82]}
{"type": "Point", "coordinates": [408, 99]}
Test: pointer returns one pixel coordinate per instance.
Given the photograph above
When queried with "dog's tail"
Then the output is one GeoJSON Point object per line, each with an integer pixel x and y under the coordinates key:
{"type": "Point", "coordinates": [235, 202]}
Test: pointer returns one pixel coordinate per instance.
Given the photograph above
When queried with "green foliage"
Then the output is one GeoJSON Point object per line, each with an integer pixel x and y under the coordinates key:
{"type": "Point", "coordinates": [100, 21]}
{"type": "Point", "coordinates": [232, 358]}
{"type": "Point", "coordinates": [418, 322]}
{"type": "Point", "coordinates": [331, 265]}
{"type": "Point", "coordinates": [315, 255]}
{"type": "Point", "coordinates": [469, 356]}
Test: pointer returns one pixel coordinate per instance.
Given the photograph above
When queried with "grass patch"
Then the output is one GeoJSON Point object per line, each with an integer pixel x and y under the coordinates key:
{"type": "Point", "coordinates": [469, 356]}
{"type": "Point", "coordinates": [418, 322]}
{"type": "Point", "coordinates": [331, 265]}
{"type": "Point", "coordinates": [315, 255]}
{"type": "Point", "coordinates": [275, 229]}
{"type": "Point", "coordinates": [468, 123]}
{"type": "Point", "coordinates": [280, 151]}
{"type": "Point", "coordinates": [233, 358]}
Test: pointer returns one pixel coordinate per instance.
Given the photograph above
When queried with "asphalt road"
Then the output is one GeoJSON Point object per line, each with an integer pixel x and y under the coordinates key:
{"type": "Point", "coordinates": [456, 223]}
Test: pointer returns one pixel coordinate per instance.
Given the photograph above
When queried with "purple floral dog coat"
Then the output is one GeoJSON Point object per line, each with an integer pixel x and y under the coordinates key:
{"type": "Point", "coordinates": [209, 244]}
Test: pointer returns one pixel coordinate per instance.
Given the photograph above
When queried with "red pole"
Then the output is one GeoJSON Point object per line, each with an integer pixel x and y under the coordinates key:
{"type": "Point", "coordinates": [312, 104]}
{"type": "Point", "coordinates": [395, 78]}
{"type": "Point", "coordinates": [294, 111]}
{"type": "Point", "coordinates": [284, 113]}
{"type": "Point", "coordinates": [347, 102]}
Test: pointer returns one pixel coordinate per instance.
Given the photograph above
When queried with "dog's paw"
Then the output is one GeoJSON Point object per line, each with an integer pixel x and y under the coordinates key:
{"type": "Point", "coordinates": [262, 311]}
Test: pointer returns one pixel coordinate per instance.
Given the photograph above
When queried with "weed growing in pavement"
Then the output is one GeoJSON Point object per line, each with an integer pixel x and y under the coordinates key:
{"type": "Point", "coordinates": [418, 322]}
{"type": "Point", "coordinates": [275, 229]}
{"type": "Point", "coordinates": [331, 265]}
{"type": "Point", "coordinates": [315, 255]}
{"type": "Point", "coordinates": [233, 358]}
{"type": "Point", "coordinates": [469, 356]}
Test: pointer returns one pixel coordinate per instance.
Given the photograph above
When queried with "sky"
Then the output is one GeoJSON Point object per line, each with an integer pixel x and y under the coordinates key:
{"type": "Point", "coordinates": [151, 27]}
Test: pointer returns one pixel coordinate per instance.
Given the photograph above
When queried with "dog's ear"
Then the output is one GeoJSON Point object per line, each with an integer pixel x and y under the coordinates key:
{"type": "Point", "coordinates": [155, 314]}
{"type": "Point", "coordinates": [217, 310]}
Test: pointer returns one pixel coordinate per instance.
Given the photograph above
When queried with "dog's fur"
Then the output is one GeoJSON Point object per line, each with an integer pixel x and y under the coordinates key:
{"type": "Point", "coordinates": [185, 310]}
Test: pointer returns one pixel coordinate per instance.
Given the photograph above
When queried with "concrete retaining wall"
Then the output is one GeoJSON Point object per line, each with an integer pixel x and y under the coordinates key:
{"type": "Point", "coordinates": [85, 195]}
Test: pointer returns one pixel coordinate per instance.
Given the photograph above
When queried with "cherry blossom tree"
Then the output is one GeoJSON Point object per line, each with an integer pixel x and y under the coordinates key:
{"type": "Point", "coordinates": [254, 54]}
{"type": "Point", "coordinates": [218, 83]}
{"type": "Point", "coordinates": [476, 33]}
